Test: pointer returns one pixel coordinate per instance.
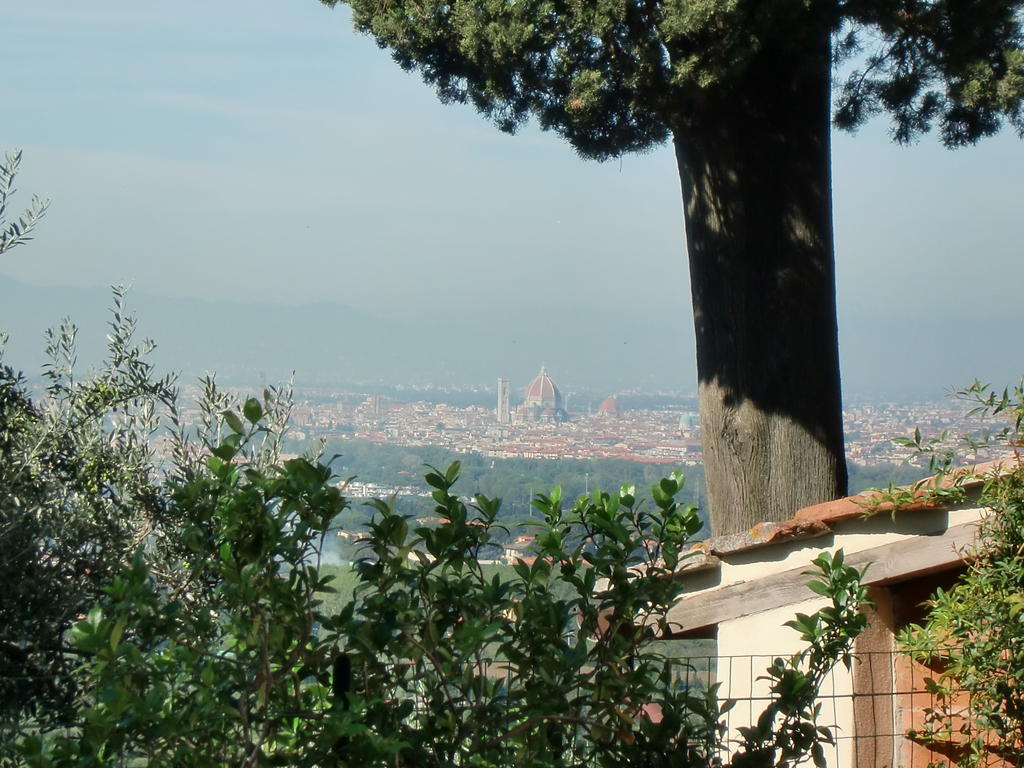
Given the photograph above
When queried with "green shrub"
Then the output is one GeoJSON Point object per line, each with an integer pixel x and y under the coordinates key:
{"type": "Point", "coordinates": [974, 632]}
{"type": "Point", "coordinates": [434, 663]}
{"type": "Point", "coordinates": [78, 494]}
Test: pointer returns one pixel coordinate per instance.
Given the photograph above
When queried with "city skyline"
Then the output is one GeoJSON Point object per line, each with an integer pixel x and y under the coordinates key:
{"type": "Point", "coordinates": [660, 433]}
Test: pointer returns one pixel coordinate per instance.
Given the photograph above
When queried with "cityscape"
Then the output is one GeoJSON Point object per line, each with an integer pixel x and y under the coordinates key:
{"type": "Point", "coordinates": [537, 421]}
{"type": "Point", "coordinates": [540, 426]}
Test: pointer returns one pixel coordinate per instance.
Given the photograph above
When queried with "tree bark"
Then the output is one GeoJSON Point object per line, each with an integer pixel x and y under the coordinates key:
{"type": "Point", "coordinates": [755, 169]}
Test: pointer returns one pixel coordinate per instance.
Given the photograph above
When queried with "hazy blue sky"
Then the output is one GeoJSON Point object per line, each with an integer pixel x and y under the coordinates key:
{"type": "Point", "coordinates": [261, 151]}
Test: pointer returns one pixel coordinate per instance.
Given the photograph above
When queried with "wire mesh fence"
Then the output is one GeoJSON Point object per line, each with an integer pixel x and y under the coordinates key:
{"type": "Point", "coordinates": [883, 711]}
{"type": "Point", "coordinates": [878, 710]}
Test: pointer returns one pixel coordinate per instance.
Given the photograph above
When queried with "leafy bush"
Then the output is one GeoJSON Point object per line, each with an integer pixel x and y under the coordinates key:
{"type": "Point", "coordinates": [546, 668]}
{"type": "Point", "coordinates": [82, 488]}
{"type": "Point", "coordinates": [558, 666]}
{"type": "Point", "coordinates": [78, 494]}
{"type": "Point", "coordinates": [432, 664]}
{"type": "Point", "coordinates": [974, 632]}
{"type": "Point", "coordinates": [241, 678]}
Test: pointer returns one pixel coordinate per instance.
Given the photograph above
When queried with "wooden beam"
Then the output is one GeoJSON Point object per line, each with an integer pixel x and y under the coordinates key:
{"type": "Point", "coordinates": [873, 739]}
{"type": "Point", "coordinates": [888, 563]}
{"type": "Point", "coordinates": [917, 556]}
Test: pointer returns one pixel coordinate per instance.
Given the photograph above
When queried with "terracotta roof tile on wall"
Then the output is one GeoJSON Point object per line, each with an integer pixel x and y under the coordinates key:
{"type": "Point", "coordinates": [819, 519]}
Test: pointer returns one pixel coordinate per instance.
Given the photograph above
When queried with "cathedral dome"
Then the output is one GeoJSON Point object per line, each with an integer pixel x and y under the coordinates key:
{"type": "Point", "coordinates": [609, 406]}
{"type": "Point", "coordinates": [543, 392]}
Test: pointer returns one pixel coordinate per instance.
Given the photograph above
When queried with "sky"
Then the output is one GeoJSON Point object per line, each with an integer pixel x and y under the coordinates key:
{"type": "Point", "coordinates": [262, 153]}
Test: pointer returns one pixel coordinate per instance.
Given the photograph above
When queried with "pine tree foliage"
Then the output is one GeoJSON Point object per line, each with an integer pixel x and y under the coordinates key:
{"type": "Point", "coordinates": [615, 76]}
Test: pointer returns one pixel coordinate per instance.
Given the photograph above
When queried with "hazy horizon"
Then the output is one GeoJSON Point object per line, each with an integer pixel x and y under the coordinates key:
{"type": "Point", "coordinates": [248, 342]}
{"type": "Point", "coordinates": [262, 165]}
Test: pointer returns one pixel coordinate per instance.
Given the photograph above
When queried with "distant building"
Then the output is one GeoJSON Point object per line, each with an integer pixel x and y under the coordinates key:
{"type": "Point", "coordinates": [503, 412]}
{"type": "Point", "coordinates": [608, 407]}
{"type": "Point", "coordinates": [687, 422]}
{"type": "Point", "coordinates": [543, 401]}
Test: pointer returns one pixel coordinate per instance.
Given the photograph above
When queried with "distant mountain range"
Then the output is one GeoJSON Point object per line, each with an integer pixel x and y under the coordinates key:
{"type": "Point", "coordinates": [329, 343]}
{"type": "Point", "coordinates": [585, 345]}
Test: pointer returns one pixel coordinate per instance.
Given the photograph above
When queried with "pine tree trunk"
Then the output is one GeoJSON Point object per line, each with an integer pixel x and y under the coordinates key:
{"type": "Point", "coordinates": [756, 184]}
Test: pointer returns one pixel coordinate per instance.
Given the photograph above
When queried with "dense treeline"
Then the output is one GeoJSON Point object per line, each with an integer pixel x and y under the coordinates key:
{"type": "Point", "coordinates": [517, 480]}
{"type": "Point", "coordinates": [882, 475]}
{"type": "Point", "coordinates": [511, 479]}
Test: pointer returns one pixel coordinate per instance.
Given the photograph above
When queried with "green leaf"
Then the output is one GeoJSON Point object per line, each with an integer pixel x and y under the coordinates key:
{"type": "Point", "coordinates": [117, 632]}
{"type": "Point", "coordinates": [434, 480]}
{"type": "Point", "coordinates": [627, 494]}
{"type": "Point", "coordinates": [235, 423]}
{"type": "Point", "coordinates": [661, 498]}
{"type": "Point", "coordinates": [253, 410]}
{"type": "Point", "coordinates": [819, 587]}
{"type": "Point", "coordinates": [224, 451]}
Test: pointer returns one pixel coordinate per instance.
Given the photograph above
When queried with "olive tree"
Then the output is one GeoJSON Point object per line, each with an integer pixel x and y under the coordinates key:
{"type": "Point", "coordinates": [16, 232]}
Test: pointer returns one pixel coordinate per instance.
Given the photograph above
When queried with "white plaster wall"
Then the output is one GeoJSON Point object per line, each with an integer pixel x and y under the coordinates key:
{"type": "Point", "coordinates": [746, 647]}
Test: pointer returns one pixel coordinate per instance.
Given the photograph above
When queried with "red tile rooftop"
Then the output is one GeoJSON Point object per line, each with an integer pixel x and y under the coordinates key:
{"type": "Point", "coordinates": [819, 519]}
{"type": "Point", "coordinates": [869, 501]}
